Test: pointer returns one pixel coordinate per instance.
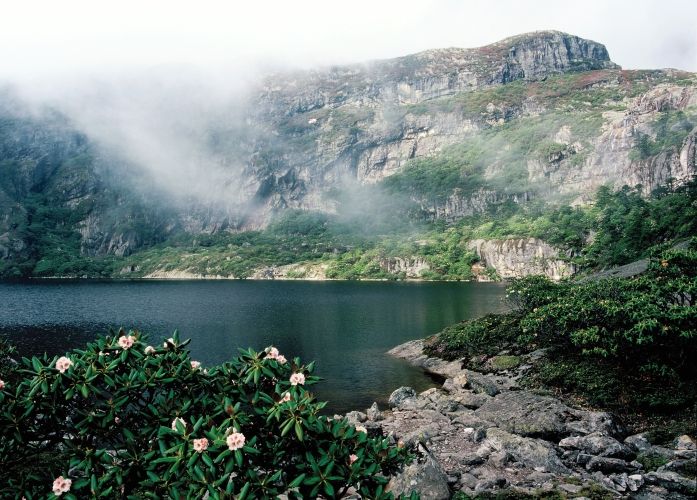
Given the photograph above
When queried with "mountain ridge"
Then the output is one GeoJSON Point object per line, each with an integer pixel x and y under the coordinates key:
{"type": "Point", "coordinates": [451, 132]}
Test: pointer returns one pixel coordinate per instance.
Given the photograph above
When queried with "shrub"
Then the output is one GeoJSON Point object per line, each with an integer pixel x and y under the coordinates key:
{"type": "Point", "coordinates": [122, 419]}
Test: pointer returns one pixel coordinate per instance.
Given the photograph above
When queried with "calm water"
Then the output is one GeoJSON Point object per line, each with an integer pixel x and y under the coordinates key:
{"type": "Point", "coordinates": [345, 326]}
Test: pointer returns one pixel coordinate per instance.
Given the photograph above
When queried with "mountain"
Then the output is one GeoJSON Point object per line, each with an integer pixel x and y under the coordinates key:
{"type": "Point", "coordinates": [431, 138]}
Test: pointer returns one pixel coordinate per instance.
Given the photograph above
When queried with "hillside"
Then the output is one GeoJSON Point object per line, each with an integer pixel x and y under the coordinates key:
{"type": "Point", "coordinates": [387, 169]}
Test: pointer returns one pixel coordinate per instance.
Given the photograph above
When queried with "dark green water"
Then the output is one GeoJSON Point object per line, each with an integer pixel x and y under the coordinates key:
{"type": "Point", "coordinates": [345, 326]}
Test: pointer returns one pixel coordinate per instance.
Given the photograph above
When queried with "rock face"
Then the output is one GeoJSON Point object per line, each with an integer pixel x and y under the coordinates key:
{"type": "Point", "coordinates": [516, 257]}
{"type": "Point", "coordinates": [516, 442]}
{"type": "Point", "coordinates": [298, 137]}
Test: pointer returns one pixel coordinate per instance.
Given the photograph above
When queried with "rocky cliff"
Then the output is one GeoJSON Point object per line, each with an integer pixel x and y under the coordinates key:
{"type": "Point", "coordinates": [540, 116]}
{"type": "Point", "coordinates": [518, 257]}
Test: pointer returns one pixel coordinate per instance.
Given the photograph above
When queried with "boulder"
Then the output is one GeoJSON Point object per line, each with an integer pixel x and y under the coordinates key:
{"type": "Point", "coordinates": [529, 452]}
{"type": "Point", "coordinates": [597, 444]}
{"type": "Point", "coordinates": [373, 413]}
{"type": "Point", "coordinates": [424, 477]}
{"type": "Point", "coordinates": [482, 383]}
{"type": "Point", "coordinates": [526, 414]}
{"type": "Point", "coordinates": [672, 481]}
{"type": "Point", "coordinates": [639, 442]}
{"type": "Point", "coordinates": [398, 397]}
{"type": "Point", "coordinates": [684, 442]}
{"type": "Point", "coordinates": [605, 465]}
{"type": "Point", "coordinates": [356, 417]}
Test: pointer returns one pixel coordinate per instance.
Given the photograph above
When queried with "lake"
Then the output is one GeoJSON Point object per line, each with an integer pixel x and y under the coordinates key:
{"type": "Point", "coordinates": [345, 326]}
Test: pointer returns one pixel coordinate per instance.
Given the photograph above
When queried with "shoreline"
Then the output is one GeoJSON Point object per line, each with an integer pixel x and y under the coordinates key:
{"type": "Point", "coordinates": [485, 434]}
{"type": "Point", "coordinates": [228, 278]}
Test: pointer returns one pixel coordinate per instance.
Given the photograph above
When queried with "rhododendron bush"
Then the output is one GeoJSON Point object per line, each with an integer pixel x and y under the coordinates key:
{"type": "Point", "coordinates": [122, 418]}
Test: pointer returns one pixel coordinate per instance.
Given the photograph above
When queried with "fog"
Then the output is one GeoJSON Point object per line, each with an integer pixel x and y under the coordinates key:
{"type": "Point", "coordinates": [150, 82]}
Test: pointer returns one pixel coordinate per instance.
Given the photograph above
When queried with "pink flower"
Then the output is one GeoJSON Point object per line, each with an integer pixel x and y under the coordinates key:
{"type": "Point", "coordinates": [2, 385]}
{"type": "Point", "coordinates": [352, 458]}
{"type": "Point", "coordinates": [126, 342]}
{"type": "Point", "coordinates": [178, 419]}
{"type": "Point", "coordinates": [286, 397]}
{"type": "Point", "coordinates": [61, 485]}
{"type": "Point", "coordinates": [195, 365]}
{"type": "Point", "coordinates": [236, 440]}
{"type": "Point", "coordinates": [117, 420]}
{"type": "Point", "coordinates": [281, 359]}
{"type": "Point", "coordinates": [200, 445]}
{"type": "Point", "coordinates": [63, 364]}
{"type": "Point", "coordinates": [297, 378]}
{"type": "Point", "coordinates": [360, 428]}
{"type": "Point", "coordinates": [271, 352]}
{"type": "Point", "coordinates": [150, 350]}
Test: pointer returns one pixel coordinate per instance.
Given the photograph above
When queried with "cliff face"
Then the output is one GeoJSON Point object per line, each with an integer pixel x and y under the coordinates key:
{"type": "Point", "coordinates": [537, 116]}
{"type": "Point", "coordinates": [518, 257]}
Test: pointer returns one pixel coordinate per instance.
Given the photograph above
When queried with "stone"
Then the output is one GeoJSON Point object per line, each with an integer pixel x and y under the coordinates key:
{"type": "Point", "coordinates": [499, 459]}
{"type": "Point", "coordinates": [604, 464]}
{"type": "Point", "coordinates": [570, 488]}
{"type": "Point", "coordinates": [635, 481]}
{"type": "Point", "coordinates": [597, 444]}
{"type": "Point", "coordinates": [490, 484]}
{"type": "Point", "coordinates": [589, 422]}
{"type": "Point", "coordinates": [468, 480]}
{"type": "Point", "coordinates": [672, 481]}
{"type": "Point", "coordinates": [424, 477]}
{"type": "Point", "coordinates": [639, 442]}
{"type": "Point", "coordinates": [373, 413]}
{"type": "Point", "coordinates": [526, 414]}
{"type": "Point", "coordinates": [470, 400]}
{"type": "Point", "coordinates": [684, 442]}
{"type": "Point", "coordinates": [398, 397]}
{"type": "Point", "coordinates": [482, 383]}
{"type": "Point", "coordinates": [530, 452]}
{"type": "Point", "coordinates": [356, 417]}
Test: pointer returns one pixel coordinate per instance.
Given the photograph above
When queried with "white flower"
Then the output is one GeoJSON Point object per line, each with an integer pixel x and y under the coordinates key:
{"type": "Point", "coordinates": [297, 378]}
{"type": "Point", "coordinates": [195, 365]}
{"type": "Point", "coordinates": [180, 420]}
{"type": "Point", "coordinates": [150, 350]}
{"type": "Point", "coordinates": [63, 363]}
{"type": "Point", "coordinates": [235, 441]}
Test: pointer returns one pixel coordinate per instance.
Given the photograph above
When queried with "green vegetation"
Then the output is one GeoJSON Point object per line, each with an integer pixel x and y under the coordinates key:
{"type": "Point", "coordinates": [670, 130]}
{"type": "Point", "coordinates": [618, 343]}
{"type": "Point", "coordinates": [119, 419]}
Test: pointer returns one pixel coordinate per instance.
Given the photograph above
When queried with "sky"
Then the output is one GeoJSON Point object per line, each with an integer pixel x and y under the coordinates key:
{"type": "Point", "coordinates": [49, 40]}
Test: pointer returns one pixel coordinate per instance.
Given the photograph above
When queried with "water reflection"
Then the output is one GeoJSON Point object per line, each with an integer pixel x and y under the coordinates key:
{"type": "Point", "coordinates": [345, 326]}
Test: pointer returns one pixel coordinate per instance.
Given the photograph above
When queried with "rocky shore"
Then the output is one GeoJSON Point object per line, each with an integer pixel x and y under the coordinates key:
{"type": "Point", "coordinates": [483, 434]}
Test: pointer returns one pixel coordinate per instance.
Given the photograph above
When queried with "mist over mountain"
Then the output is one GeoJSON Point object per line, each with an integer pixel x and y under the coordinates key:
{"type": "Point", "coordinates": [112, 167]}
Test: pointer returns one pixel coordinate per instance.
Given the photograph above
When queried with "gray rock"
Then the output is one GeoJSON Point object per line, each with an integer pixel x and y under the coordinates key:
{"type": "Point", "coordinates": [684, 467]}
{"type": "Point", "coordinates": [639, 442]}
{"type": "Point", "coordinates": [499, 459]}
{"type": "Point", "coordinates": [398, 397]}
{"type": "Point", "coordinates": [589, 422]}
{"type": "Point", "coordinates": [482, 383]}
{"type": "Point", "coordinates": [570, 488]}
{"type": "Point", "coordinates": [635, 481]}
{"type": "Point", "coordinates": [530, 452]}
{"type": "Point", "coordinates": [490, 484]}
{"type": "Point", "coordinates": [672, 481]}
{"type": "Point", "coordinates": [684, 442]}
{"type": "Point", "coordinates": [424, 477]}
{"type": "Point", "coordinates": [597, 444]}
{"type": "Point", "coordinates": [373, 413]}
{"type": "Point", "coordinates": [468, 480]}
{"type": "Point", "coordinates": [526, 414]}
{"type": "Point", "coordinates": [470, 400]}
{"type": "Point", "coordinates": [356, 417]}
{"type": "Point", "coordinates": [604, 464]}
